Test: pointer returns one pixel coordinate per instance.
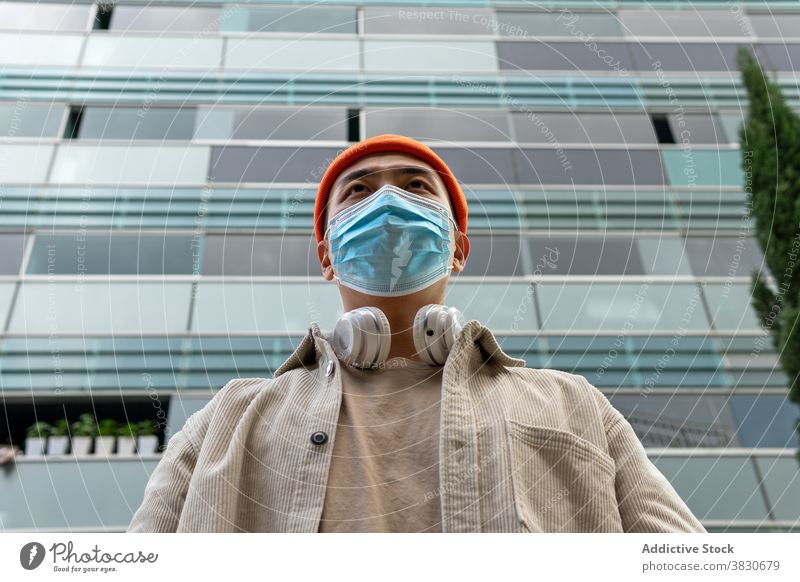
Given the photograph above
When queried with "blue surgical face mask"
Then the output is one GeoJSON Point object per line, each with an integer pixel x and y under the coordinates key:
{"type": "Point", "coordinates": [391, 243]}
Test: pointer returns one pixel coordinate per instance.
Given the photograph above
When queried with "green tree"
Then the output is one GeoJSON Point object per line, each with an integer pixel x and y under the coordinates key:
{"type": "Point", "coordinates": [770, 143]}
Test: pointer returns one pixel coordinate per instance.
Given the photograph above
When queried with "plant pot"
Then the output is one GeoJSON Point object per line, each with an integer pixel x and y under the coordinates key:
{"type": "Point", "coordinates": [34, 446]}
{"type": "Point", "coordinates": [148, 443]}
{"type": "Point", "coordinates": [126, 445]}
{"type": "Point", "coordinates": [104, 445]}
{"type": "Point", "coordinates": [81, 445]}
{"type": "Point", "coordinates": [57, 445]}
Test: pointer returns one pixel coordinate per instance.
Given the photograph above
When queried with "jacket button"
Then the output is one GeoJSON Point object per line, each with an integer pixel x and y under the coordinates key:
{"type": "Point", "coordinates": [329, 368]}
{"type": "Point", "coordinates": [319, 438]}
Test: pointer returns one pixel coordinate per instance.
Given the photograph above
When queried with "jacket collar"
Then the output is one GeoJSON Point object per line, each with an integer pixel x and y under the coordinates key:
{"type": "Point", "coordinates": [474, 337]}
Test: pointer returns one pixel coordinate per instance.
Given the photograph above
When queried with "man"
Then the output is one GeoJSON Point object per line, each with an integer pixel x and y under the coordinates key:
{"type": "Point", "coordinates": [475, 443]}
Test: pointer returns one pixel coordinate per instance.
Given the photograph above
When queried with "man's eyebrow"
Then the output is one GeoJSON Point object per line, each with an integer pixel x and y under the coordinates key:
{"type": "Point", "coordinates": [356, 174]}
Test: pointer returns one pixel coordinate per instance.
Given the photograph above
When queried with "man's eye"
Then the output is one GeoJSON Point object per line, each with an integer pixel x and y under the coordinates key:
{"type": "Point", "coordinates": [358, 189]}
{"type": "Point", "coordinates": [417, 184]}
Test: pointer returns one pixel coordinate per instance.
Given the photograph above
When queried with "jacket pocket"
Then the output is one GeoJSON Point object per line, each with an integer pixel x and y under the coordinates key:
{"type": "Point", "coordinates": [561, 482]}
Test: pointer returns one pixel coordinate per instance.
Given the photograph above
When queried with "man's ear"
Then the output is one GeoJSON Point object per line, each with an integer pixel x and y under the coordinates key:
{"type": "Point", "coordinates": [462, 251]}
{"type": "Point", "coordinates": [324, 259]}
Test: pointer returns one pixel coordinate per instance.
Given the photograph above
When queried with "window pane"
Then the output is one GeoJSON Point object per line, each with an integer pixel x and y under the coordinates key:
{"type": "Point", "coordinates": [302, 54]}
{"type": "Point", "coordinates": [164, 18]}
{"type": "Point", "coordinates": [113, 164]}
{"type": "Point", "coordinates": [40, 49]}
{"type": "Point", "coordinates": [291, 255]}
{"type": "Point", "coordinates": [663, 255]}
{"type": "Point", "coordinates": [294, 19]}
{"type": "Point", "coordinates": [715, 487]}
{"type": "Point", "coordinates": [780, 56]}
{"type": "Point", "coordinates": [12, 247]}
{"type": "Point", "coordinates": [124, 50]}
{"type": "Point", "coordinates": [137, 123]}
{"type": "Point", "coordinates": [265, 307]}
{"type": "Point", "coordinates": [777, 25]}
{"type": "Point", "coordinates": [675, 23]}
{"type": "Point", "coordinates": [6, 294]}
{"type": "Point", "coordinates": [696, 128]}
{"type": "Point", "coordinates": [561, 23]}
{"type": "Point", "coordinates": [453, 56]}
{"type": "Point", "coordinates": [81, 493]}
{"type": "Point", "coordinates": [479, 165]}
{"type": "Point", "coordinates": [269, 164]}
{"type": "Point", "coordinates": [703, 167]}
{"type": "Point", "coordinates": [499, 306]}
{"type": "Point", "coordinates": [612, 306]}
{"type": "Point", "coordinates": [782, 482]}
{"type": "Point", "coordinates": [565, 56]}
{"type": "Point", "coordinates": [731, 122]}
{"type": "Point", "coordinates": [318, 123]}
{"type": "Point", "coordinates": [586, 255]}
{"type": "Point", "coordinates": [590, 167]}
{"type": "Point", "coordinates": [583, 128]}
{"type": "Point", "coordinates": [678, 421]}
{"type": "Point", "coordinates": [24, 162]}
{"type": "Point", "coordinates": [101, 307]}
{"type": "Point", "coordinates": [29, 120]}
{"type": "Point", "coordinates": [731, 307]}
{"type": "Point", "coordinates": [117, 254]}
{"type": "Point", "coordinates": [43, 16]}
{"type": "Point", "coordinates": [428, 20]}
{"type": "Point", "coordinates": [685, 56]}
{"type": "Point", "coordinates": [439, 124]}
{"type": "Point", "coordinates": [765, 420]}
{"type": "Point", "coordinates": [724, 256]}
{"type": "Point", "coordinates": [491, 256]}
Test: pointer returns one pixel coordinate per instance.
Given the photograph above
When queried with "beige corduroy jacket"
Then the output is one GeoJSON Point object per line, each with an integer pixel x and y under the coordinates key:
{"type": "Point", "coordinates": [521, 450]}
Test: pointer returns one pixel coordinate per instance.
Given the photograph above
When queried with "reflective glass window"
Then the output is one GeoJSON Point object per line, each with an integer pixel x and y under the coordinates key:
{"type": "Point", "coordinates": [124, 164]}
{"type": "Point", "coordinates": [165, 19]}
{"type": "Point", "coordinates": [156, 52]}
{"type": "Point", "coordinates": [265, 307]}
{"type": "Point", "coordinates": [101, 307]}
{"type": "Point", "coordinates": [547, 127]}
{"type": "Point", "coordinates": [620, 306]}
{"type": "Point", "coordinates": [439, 124]}
{"type": "Point", "coordinates": [43, 16]}
{"type": "Point", "coordinates": [117, 254]}
{"type": "Point", "coordinates": [445, 57]}
{"type": "Point", "coordinates": [556, 23]}
{"type": "Point", "coordinates": [564, 56]}
{"type": "Point", "coordinates": [137, 123]}
{"type": "Point", "coordinates": [244, 123]}
{"type": "Point", "coordinates": [302, 53]}
{"type": "Point", "coordinates": [22, 119]}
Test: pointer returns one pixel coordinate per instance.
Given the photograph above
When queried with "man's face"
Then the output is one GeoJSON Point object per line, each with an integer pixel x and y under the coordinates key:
{"type": "Point", "coordinates": [372, 172]}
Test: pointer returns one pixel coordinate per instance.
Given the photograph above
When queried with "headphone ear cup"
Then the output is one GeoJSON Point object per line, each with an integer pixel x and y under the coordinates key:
{"type": "Point", "coordinates": [362, 337]}
{"type": "Point", "coordinates": [436, 328]}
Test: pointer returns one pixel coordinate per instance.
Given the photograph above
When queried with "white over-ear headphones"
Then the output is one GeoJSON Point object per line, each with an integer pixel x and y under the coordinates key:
{"type": "Point", "coordinates": [362, 336]}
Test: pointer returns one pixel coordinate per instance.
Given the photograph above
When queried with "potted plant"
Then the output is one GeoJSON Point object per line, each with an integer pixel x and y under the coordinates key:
{"type": "Point", "coordinates": [83, 432]}
{"type": "Point", "coordinates": [126, 443]}
{"type": "Point", "coordinates": [106, 435]}
{"type": "Point", "coordinates": [37, 438]}
{"type": "Point", "coordinates": [58, 443]}
{"type": "Point", "coordinates": [148, 440]}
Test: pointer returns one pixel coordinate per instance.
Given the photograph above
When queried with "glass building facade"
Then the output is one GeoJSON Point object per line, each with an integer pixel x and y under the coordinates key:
{"type": "Point", "coordinates": [158, 165]}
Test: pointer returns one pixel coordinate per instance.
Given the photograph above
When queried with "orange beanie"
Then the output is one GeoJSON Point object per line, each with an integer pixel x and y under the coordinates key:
{"type": "Point", "coordinates": [388, 143]}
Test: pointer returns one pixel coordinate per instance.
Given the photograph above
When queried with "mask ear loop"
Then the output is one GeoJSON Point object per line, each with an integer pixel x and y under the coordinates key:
{"type": "Point", "coordinates": [326, 237]}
